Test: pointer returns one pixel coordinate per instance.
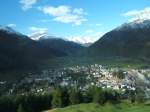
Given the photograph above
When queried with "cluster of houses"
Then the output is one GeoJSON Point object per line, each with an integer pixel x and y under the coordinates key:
{"type": "Point", "coordinates": [83, 76]}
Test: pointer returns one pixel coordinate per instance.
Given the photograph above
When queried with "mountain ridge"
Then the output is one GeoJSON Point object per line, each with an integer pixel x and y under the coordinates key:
{"type": "Point", "coordinates": [126, 41]}
{"type": "Point", "coordinates": [19, 51]}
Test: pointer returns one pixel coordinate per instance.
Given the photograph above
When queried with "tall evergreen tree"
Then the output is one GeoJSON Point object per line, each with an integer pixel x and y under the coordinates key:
{"type": "Point", "coordinates": [21, 108]}
{"type": "Point", "coordinates": [99, 96]}
{"type": "Point", "coordinates": [57, 98]}
{"type": "Point", "coordinates": [75, 96]}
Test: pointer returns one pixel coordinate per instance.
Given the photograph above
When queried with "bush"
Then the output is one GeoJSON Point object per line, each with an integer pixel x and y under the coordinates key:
{"type": "Point", "coordinates": [7, 104]}
{"type": "Point", "coordinates": [112, 96]}
{"type": "Point", "coordinates": [26, 103]}
{"type": "Point", "coordinates": [57, 98]}
{"type": "Point", "coordinates": [132, 96]}
{"type": "Point", "coordinates": [21, 108]}
{"type": "Point", "coordinates": [65, 97]}
{"type": "Point", "coordinates": [60, 97]}
{"type": "Point", "coordinates": [99, 96]}
{"type": "Point", "coordinates": [140, 95]}
{"type": "Point", "coordinates": [75, 96]}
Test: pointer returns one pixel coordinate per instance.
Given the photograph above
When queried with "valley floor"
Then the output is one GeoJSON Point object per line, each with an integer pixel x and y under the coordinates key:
{"type": "Point", "coordinates": [91, 107]}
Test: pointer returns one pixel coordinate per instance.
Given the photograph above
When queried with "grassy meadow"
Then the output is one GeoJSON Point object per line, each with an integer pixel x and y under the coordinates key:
{"type": "Point", "coordinates": [92, 107]}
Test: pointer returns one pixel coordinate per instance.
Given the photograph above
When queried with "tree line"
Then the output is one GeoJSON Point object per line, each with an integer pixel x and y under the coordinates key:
{"type": "Point", "coordinates": [59, 97]}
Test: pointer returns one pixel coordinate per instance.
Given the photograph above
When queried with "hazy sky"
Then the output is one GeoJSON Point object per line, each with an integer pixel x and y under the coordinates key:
{"type": "Point", "coordinates": [78, 20]}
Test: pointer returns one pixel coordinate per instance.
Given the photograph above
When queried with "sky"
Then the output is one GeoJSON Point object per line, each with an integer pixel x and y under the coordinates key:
{"type": "Point", "coordinates": [76, 20]}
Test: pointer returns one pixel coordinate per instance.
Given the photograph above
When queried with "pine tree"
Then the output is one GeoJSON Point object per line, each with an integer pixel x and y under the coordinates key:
{"type": "Point", "coordinates": [98, 96]}
{"type": "Point", "coordinates": [57, 101]}
{"type": "Point", "coordinates": [21, 108]}
{"type": "Point", "coordinates": [74, 96]}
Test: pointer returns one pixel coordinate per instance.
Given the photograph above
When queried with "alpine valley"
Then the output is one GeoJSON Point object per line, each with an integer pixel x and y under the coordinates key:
{"type": "Point", "coordinates": [118, 62]}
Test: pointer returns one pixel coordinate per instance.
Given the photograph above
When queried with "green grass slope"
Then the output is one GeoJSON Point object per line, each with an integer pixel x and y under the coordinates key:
{"type": "Point", "coordinates": [91, 107]}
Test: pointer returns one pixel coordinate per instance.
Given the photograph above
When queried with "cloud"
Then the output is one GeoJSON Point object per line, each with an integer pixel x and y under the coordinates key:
{"type": "Point", "coordinates": [34, 29]}
{"type": "Point", "coordinates": [79, 11]}
{"type": "Point", "coordinates": [11, 25]}
{"type": "Point", "coordinates": [65, 14]}
{"type": "Point", "coordinates": [37, 33]}
{"type": "Point", "coordinates": [131, 13]}
{"type": "Point", "coordinates": [89, 31]}
{"type": "Point", "coordinates": [89, 37]}
{"type": "Point", "coordinates": [27, 4]}
{"type": "Point", "coordinates": [138, 14]}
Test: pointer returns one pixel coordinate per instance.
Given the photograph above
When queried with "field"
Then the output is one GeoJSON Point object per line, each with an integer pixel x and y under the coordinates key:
{"type": "Point", "coordinates": [109, 62]}
{"type": "Point", "coordinates": [62, 62]}
{"type": "Point", "coordinates": [91, 107]}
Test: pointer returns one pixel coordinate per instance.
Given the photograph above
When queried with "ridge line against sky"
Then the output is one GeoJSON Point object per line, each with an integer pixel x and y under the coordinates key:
{"type": "Point", "coordinates": [81, 21]}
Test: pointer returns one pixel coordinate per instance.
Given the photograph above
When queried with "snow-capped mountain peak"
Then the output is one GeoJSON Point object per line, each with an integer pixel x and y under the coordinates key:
{"type": "Point", "coordinates": [136, 24]}
{"type": "Point", "coordinates": [38, 35]}
{"type": "Point", "coordinates": [9, 30]}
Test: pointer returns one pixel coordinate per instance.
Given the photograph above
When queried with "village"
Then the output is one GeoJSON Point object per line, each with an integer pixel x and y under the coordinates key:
{"type": "Point", "coordinates": [83, 77]}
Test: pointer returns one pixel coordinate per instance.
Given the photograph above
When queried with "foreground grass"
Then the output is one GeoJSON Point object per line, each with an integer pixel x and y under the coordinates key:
{"type": "Point", "coordinates": [91, 107]}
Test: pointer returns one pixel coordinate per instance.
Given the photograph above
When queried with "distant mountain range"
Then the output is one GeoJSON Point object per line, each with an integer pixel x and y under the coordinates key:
{"type": "Point", "coordinates": [19, 51]}
{"type": "Point", "coordinates": [128, 40]}
{"type": "Point", "coordinates": [67, 47]}
{"type": "Point", "coordinates": [87, 44]}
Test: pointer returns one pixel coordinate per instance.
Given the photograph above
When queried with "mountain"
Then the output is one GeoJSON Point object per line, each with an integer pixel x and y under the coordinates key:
{"type": "Point", "coordinates": [87, 44]}
{"type": "Point", "coordinates": [19, 51]}
{"type": "Point", "coordinates": [8, 30]}
{"type": "Point", "coordinates": [38, 35]}
{"type": "Point", "coordinates": [128, 40]}
{"type": "Point", "coordinates": [67, 47]}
